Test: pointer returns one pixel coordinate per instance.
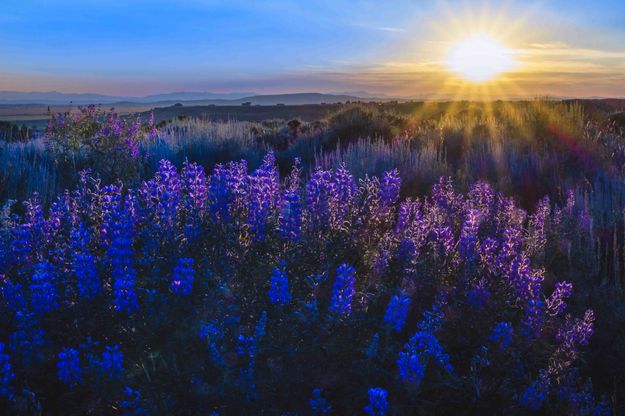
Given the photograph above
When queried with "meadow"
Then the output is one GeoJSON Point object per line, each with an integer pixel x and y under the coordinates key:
{"type": "Point", "coordinates": [398, 258]}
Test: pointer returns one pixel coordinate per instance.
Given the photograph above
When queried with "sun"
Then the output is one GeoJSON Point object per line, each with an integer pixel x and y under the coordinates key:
{"type": "Point", "coordinates": [480, 58]}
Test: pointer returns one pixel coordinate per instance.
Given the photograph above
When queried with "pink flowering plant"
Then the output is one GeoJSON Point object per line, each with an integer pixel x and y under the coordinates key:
{"type": "Point", "coordinates": [111, 144]}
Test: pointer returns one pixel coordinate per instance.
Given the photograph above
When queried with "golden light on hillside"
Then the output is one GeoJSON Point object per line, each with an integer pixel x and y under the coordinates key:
{"type": "Point", "coordinates": [480, 58]}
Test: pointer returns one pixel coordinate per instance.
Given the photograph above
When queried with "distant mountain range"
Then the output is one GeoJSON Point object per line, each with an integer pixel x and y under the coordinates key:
{"type": "Point", "coordinates": [196, 98]}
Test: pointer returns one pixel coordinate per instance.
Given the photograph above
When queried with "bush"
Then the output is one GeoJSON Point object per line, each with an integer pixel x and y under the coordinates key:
{"type": "Point", "coordinates": [110, 143]}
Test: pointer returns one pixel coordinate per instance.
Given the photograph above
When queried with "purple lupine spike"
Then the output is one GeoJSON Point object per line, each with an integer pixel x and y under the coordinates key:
{"type": "Point", "coordinates": [378, 402]}
{"type": "Point", "coordinates": [343, 190]}
{"type": "Point", "coordinates": [319, 190]}
{"type": "Point", "coordinates": [44, 293]}
{"type": "Point", "coordinates": [111, 362]}
{"type": "Point", "coordinates": [263, 194]}
{"type": "Point", "coordinates": [279, 287]}
{"type": "Point", "coordinates": [418, 352]}
{"type": "Point", "coordinates": [468, 235]}
{"type": "Point", "coordinates": [6, 373]}
{"type": "Point", "coordinates": [121, 259]}
{"type": "Point", "coordinates": [556, 302]}
{"type": "Point", "coordinates": [502, 334]}
{"type": "Point", "coordinates": [343, 290]}
{"type": "Point", "coordinates": [195, 186]}
{"type": "Point", "coordinates": [69, 369]}
{"type": "Point", "coordinates": [397, 311]}
{"type": "Point", "coordinates": [390, 186]}
{"type": "Point", "coordinates": [183, 276]}
{"type": "Point", "coordinates": [290, 218]}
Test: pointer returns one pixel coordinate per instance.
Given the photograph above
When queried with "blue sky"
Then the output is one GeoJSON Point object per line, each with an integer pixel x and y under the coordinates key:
{"type": "Point", "coordinates": [141, 47]}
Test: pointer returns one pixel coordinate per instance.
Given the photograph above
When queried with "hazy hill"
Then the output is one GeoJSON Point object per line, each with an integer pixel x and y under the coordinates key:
{"type": "Point", "coordinates": [196, 98]}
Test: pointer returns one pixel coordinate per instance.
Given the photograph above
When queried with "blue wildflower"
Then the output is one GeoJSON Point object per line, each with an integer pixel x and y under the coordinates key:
{"type": "Point", "coordinates": [68, 366]}
{"type": "Point", "coordinates": [390, 186]}
{"type": "Point", "coordinates": [261, 327]}
{"type": "Point", "coordinates": [378, 402]}
{"type": "Point", "coordinates": [183, 276]}
{"type": "Point", "coordinates": [397, 311]}
{"type": "Point", "coordinates": [502, 334]}
{"type": "Point", "coordinates": [534, 396]}
{"type": "Point", "coordinates": [279, 287]}
{"type": "Point", "coordinates": [419, 350]}
{"type": "Point", "coordinates": [112, 362]}
{"type": "Point", "coordinates": [246, 346]}
{"type": "Point", "coordinates": [343, 290]}
{"type": "Point", "coordinates": [43, 291]}
{"type": "Point", "coordinates": [478, 296]}
{"type": "Point", "coordinates": [88, 282]}
{"type": "Point", "coordinates": [131, 404]}
{"type": "Point", "coordinates": [124, 275]}
{"type": "Point", "coordinates": [318, 404]}
{"type": "Point", "coordinates": [290, 219]}
{"type": "Point", "coordinates": [6, 373]}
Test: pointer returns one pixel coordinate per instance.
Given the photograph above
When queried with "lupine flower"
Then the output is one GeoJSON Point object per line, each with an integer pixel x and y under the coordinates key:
{"type": "Point", "coordinates": [124, 275]}
{"type": "Point", "coordinates": [6, 373]}
{"type": "Point", "coordinates": [319, 405]}
{"type": "Point", "coordinates": [397, 311]}
{"type": "Point", "coordinates": [195, 185]}
{"type": "Point", "coordinates": [279, 287]}
{"type": "Point", "coordinates": [372, 348]}
{"type": "Point", "coordinates": [577, 331]}
{"type": "Point", "coordinates": [432, 320]}
{"type": "Point", "coordinates": [534, 396]}
{"type": "Point", "coordinates": [88, 282]}
{"type": "Point", "coordinates": [162, 195]}
{"type": "Point", "coordinates": [468, 235]}
{"type": "Point", "coordinates": [389, 188]}
{"type": "Point", "coordinates": [556, 302]}
{"type": "Point", "coordinates": [246, 346]}
{"type": "Point", "coordinates": [43, 288]}
{"type": "Point", "coordinates": [421, 348]}
{"type": "Point", "coordinates": [290, 216]}
{"type": "Point", "coordinates": [183, 276]}
{"type": "Point", "coordinates": [131, 404]}
{"type": "Point", "coordinates": [13, 296]}
{"type": "Point", "coordinates": [342, 192]}
{"type": "Point", "coordinates": [26, 342]}
{"type": "Point", "coordinates": [211, 331]}
{"type": "Point", "coordinates": [319, 190]}
{"type": "Point", "coordinates": [212, 334]}
{"type": "Point", "coordinates": [112, 362]}
{"type": "Point", "coordinates": [219, 195]}
{"type": "Point", "coordinates": [533, 319]}
{"type": "Point", "coordinates": [260, 328]}
{"type": "Point", "coordinates": [378, 402]}
{"type": "Point", "coordinates": [264, 185]}
{"type": "Point", "coordinates": [68, 366]}
{"type": "Point", "coordinates": [343, 290]}
{"type": "Point", "coordinates": [502, 334]}
{"type": "Point", "coordinates": [478, 296]}
{"type": "Point", "coordinates": [247, 382]}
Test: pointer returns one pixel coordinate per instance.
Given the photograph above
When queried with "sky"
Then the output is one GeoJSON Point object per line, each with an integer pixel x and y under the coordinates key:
{"type": "Point", "coordinates": [395, 47]}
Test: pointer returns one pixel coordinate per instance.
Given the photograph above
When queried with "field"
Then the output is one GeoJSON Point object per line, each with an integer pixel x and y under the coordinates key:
{"type": "Point", "coordinates": [422, 257]}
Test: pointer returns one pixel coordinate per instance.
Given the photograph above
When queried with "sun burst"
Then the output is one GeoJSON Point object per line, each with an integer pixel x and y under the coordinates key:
{"type": "Point", "coordinates": [480, 58]}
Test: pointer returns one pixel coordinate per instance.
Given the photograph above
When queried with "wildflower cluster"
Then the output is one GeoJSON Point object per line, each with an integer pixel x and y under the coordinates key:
{"type": "Point", "coordinates": [200, 293]}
